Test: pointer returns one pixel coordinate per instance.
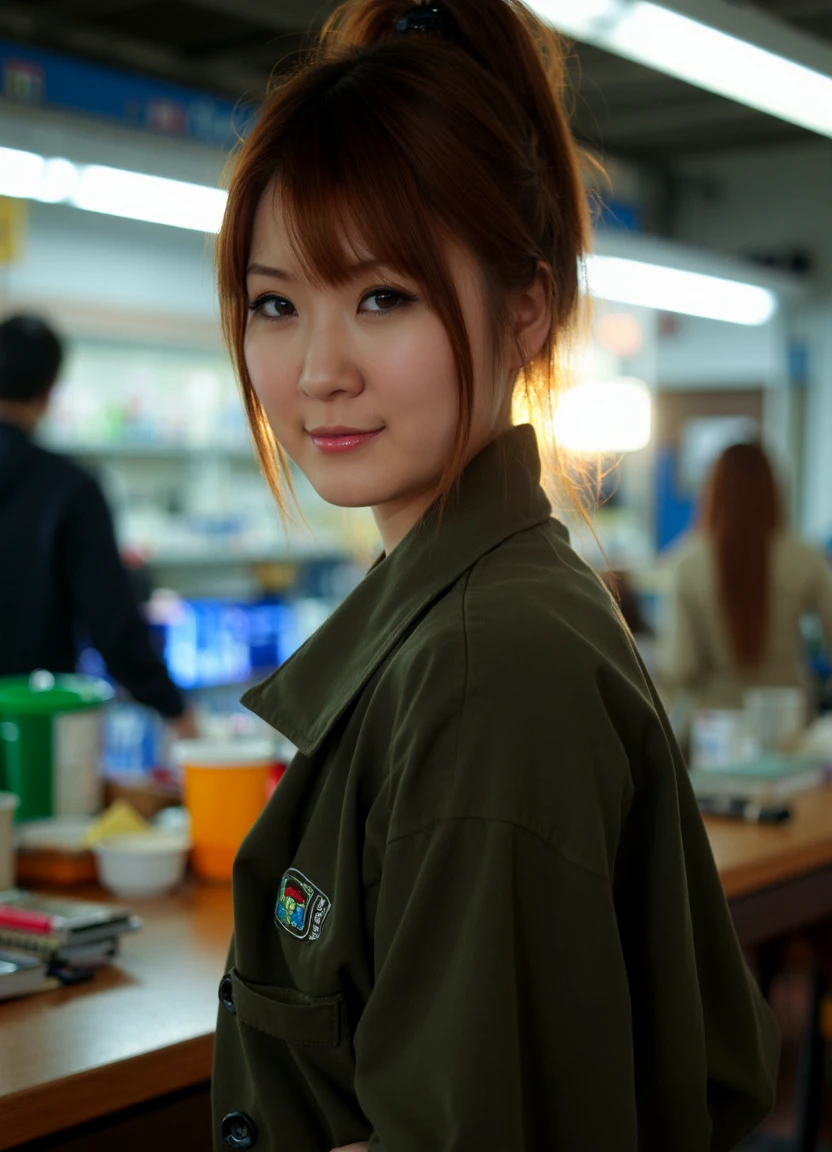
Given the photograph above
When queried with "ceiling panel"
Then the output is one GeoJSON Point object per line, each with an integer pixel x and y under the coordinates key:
{"type": "Point", "coordinates": [814, 16]}
{"type": "Point", "coordinates": [181, 26]}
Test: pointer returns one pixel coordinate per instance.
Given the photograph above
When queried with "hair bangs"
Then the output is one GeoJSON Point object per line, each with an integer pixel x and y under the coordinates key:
{"type": "Point", "coordinates": [346, 192]}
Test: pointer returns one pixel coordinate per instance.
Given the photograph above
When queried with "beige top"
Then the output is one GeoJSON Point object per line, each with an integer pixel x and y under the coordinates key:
{"type": "Point", "coordinates": [693, 652]}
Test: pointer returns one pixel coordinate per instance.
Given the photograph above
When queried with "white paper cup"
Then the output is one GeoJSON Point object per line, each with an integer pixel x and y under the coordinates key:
{"type": "Point", "coordinates": [775, 717]}
{"type": "Point", "coordinates": [718, 738]}
{"type": "Point", "coordinates": [142, 864]}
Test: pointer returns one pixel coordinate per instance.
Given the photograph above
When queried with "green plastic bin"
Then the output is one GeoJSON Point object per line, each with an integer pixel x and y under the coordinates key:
{"type": "Point", "coordinates": [50, 743]}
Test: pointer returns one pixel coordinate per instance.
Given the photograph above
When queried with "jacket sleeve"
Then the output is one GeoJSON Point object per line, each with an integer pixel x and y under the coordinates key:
{"type": "Point", "coordinates": [105, 605]}
{"type": "Point", "coordinates": [500, 1016]}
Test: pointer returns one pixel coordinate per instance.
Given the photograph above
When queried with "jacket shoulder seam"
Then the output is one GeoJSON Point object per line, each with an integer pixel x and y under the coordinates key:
{"type": "Point", "coordinates": [556, 848]}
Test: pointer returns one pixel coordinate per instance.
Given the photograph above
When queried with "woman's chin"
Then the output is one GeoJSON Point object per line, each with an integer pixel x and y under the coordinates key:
{"type": "Point", "coordinates": [346, 494]}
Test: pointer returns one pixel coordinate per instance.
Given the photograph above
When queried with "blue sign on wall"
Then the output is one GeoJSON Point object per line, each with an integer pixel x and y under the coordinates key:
{"type": "Point", "coordinates": [36, 77]}
{"type": "Point", "coordinates": [675, 510]}
{"type": "Point", "coordinates": [619, 216]}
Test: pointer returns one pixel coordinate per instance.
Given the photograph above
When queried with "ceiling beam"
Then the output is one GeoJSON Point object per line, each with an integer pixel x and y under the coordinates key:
{"type": "Point", "coordinates": [796, 10]}
{"type": "Point", "coordinates": [127, 52]}
{"type": "Point", "coordinates": [259, 57]}
{"type": "Point", "coordinates": [295, 14]}
{"type": "Point", "coordinates": [640, 126]}
{"type": "Point", "coordinates": [614, 72]}
{"type": "Point", "coordinates": [282, 16]}
{"type": "Point", "coordinates": [84, 9]}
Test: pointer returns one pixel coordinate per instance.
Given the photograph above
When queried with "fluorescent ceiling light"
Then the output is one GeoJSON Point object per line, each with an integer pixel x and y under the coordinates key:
{"type": "Point", "coordinates": [675, 290]}
{"type": "Point", "coordinates": [704, 55]}
{"type": "Point", "coordinates": [21, 174]}
{"type": "Point", "coordinates": [151, 198]}
{"type": "Point", "coordinates": [607, 417]}
{"type": "Point", "coordinates": [112, 191]}
{"type": "Point", "coordinates": [137, 196]}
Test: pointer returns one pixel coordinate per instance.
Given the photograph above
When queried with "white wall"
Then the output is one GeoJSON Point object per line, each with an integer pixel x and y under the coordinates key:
{"type": "Point", "coordinates": [816, 324]}
{"type": "Point", "coordinates": [700, 354]}
{"type": "Point", "coordinates": [73, 258]}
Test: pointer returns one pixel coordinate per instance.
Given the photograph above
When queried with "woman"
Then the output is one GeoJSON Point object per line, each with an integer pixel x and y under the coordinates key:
{"type": "Point", "coordinates": [739, 588]}
{"type": "Point", "coordinates": [480, 911]}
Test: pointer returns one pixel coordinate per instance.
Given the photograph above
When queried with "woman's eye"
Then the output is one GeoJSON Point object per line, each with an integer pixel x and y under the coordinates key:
{"type": "Point", "coordinates": [384, 300]}
{"type": "Point", "coordinates": [273, 307]}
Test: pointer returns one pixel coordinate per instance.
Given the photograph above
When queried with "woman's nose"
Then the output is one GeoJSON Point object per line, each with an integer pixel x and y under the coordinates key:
{"type": "Point", "coordinates": [329, 368]}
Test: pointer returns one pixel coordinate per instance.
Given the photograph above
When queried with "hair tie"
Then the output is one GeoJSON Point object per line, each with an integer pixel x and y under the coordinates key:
{"type": "Point", "coordinates": [435, 18]}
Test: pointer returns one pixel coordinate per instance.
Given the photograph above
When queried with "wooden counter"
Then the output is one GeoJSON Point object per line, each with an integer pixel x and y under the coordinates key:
{"type": "Point", "coordinates": [137, 1031]}
{"type": "Point", "coordinates": [777, 879]}
{"type": "Point", "coordinates": [751, 857]}
{"type": "Point", "coordinates": [144, 1029]}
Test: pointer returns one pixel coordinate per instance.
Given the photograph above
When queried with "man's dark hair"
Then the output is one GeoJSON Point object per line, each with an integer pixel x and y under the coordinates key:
{"type": "Point", "coordinates": [30, 358]}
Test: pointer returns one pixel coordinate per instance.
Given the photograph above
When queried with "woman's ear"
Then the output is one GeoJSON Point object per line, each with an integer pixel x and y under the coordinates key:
{"type": "Point", "coordinates": [531, 318]}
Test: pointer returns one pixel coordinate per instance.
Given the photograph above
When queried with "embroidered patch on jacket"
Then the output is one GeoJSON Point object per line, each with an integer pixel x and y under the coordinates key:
{"type": "Point", "coordinates": [301, 906]}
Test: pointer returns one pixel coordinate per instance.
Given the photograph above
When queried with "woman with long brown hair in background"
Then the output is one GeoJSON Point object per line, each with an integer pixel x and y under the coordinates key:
{"type": "Point", "coordinates": [480, 911]}
{"type": "Point", "coordinates": [739, 588]}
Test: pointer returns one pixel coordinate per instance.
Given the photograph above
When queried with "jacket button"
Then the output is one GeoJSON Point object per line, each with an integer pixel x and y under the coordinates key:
{"type": "Point", "coordinates": [239, 1130]}
{"type": "Point", "coordinates": [227, 993]}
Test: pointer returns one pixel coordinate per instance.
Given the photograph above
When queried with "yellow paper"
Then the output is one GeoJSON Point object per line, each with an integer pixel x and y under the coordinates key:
{"type": "Point", "coordinates": [120, 819]}
{"type": "Point", "coordinates": [13, 218]}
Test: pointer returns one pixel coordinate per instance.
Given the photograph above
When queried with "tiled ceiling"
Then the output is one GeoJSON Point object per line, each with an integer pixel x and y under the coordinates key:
{"type": "Point", "coordinates": [231, 47]}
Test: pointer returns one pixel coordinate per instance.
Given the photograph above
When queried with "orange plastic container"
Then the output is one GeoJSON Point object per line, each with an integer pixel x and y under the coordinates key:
{"type": "Point", "coordinates": [225, 786]}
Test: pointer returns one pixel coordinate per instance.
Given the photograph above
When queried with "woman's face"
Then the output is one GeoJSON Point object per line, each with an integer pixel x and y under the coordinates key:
{"type": "Point", "coordinates": [358, 380]}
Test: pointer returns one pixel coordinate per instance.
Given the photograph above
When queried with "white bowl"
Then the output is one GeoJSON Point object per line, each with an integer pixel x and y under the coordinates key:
{"type": "Point", "coordinates": [142, 864]}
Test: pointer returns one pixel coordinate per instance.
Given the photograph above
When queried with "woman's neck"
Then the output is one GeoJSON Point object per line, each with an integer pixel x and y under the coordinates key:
{"type": "Point", "coordinates": [395, 519]}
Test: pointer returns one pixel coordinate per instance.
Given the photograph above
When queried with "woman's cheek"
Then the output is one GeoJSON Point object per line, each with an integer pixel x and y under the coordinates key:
{"type": "Point", "coordinates": [269, 378]}
{"type": "Point", "coordinates": [258, 355]}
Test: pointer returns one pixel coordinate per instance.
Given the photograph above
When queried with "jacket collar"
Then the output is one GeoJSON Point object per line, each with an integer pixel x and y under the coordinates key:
{"type": "Point", "coordinates": [498, 495]}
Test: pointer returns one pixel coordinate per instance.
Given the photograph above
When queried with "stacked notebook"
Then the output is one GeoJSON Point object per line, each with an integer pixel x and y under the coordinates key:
{"type": "Point", "coordinates": [44, 939]}
{"type": "Point", "coordinates": [21, 974]}
{"type": "Point", "coordinates": [765, 780]}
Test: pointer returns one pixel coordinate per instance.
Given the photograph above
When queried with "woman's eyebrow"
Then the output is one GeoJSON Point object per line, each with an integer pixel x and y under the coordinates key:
{"type": "Point", "coordinates": [265, 270]}
{"type": "Point", "coordinates": [278, 273]}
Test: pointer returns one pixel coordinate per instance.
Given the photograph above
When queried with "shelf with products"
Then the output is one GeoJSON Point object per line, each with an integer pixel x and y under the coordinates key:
{"type": "Point", "coordinates": [134, 398]}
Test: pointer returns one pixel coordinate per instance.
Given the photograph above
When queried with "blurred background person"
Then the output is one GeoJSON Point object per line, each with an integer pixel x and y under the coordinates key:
{"type": "Point", "coordinates": [61, 575]}
{"type": "Point", "coordinates": [740, 585]}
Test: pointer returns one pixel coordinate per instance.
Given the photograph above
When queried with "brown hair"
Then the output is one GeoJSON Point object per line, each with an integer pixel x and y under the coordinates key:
{"type": "Point", "coordinates": [416, 141]}
{"type": "Point", "coordinates": [741, 513]}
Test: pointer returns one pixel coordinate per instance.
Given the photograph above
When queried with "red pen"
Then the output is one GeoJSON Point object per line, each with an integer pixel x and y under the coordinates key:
{"type": "Point", "coordinates": [24, 920]}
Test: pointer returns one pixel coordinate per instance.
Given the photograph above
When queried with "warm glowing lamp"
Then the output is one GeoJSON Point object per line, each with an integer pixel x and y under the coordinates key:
{"type": "Point", "coordinates": [610, 416]}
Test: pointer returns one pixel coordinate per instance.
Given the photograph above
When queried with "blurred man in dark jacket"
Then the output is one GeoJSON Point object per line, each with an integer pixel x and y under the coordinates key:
{"type": "Point", "coordinates": [60, 571]}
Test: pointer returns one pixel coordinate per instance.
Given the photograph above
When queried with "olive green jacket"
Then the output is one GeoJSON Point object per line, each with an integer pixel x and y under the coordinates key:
{"type": "Point", "coordinates": [480, 912]}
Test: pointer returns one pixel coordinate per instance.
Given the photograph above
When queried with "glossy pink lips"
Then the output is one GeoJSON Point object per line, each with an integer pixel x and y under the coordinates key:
{"type": "Point", "coordinates": [333, 440]}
